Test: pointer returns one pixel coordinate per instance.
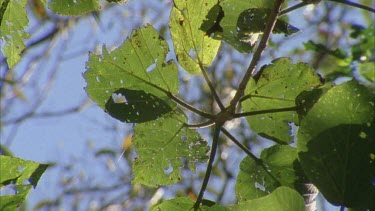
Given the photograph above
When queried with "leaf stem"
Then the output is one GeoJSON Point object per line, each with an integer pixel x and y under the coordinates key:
{"type": "Point", "coordinates": [290, 9]}
{"type": "Point", "coordinates": [215, 142]}
{"type": "Point", "coordinates": [257, 160]}
{"type": "Point", "coordinates": [353, 4]}
{"type": "Point", "coordinates": [211, 86]}
{"type": "Point", "coordinates": [190, 107]}
{"type": "Point", "coordinates": [257, 54]}
{"type": "Point", "coordinates": [200, 125]}
{"type": "Point", "coordinates": [266, 111]}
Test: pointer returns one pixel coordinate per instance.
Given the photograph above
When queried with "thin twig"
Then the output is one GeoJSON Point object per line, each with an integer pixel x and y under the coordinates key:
{"type": "Point", "coordinates": [257, 54]}
{"type": "Point", "coordinates": [189, 107]}
{"type": "Point", "coordinates": [257, 160]}
{"type": "Point", "coordinates": [353, 4]}
{"type": "Point", "coordinates": [294, 7]}
{"type": "Point", "coordinates": [215, 142]}
{"type": "Point", "coordinates": [266, 111]}
{"type": "Point", "coordinates": [212, 88]}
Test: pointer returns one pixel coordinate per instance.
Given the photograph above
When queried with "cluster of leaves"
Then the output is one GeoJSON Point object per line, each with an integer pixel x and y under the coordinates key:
{"type": "Point", "coordinates": [135, 83]}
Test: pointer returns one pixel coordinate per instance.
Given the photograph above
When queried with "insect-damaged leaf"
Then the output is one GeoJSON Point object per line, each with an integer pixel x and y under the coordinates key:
{"type": "Point", "coordinates": [164, 146]}
{"type": "Point", "coordinates": [240, 22]}
{"type": "Point", "coordinates": [138, 65]}
{"type": "Point", "coordinates": [276, 86]}
{"type": "Point", "coordinates": [73, 7]}
{"type": "Point", "coordinates": [138, 106]}
{"type": "Point", "coordinates": [190, 43]}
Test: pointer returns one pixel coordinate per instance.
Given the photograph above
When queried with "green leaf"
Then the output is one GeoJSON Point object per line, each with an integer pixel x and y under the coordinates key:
{"type": "Point", "coordinates": [135, 74]}
{"type": "Point", "coordinates": [336, 145]}
{"type": "Point", "coordinates": [367, 71]}
{"type": "Point", "coordinates": [240, 22]}
{"type": "Point", "coordinates": [186, 203]}
{"type": "Point", "coordinates": [192, 46]}
{"type": "Point", "coordinates": [276, 86]}
{"type": "Point", "coordinates": [281, 161]}
{"type": "Point", "coordinates": [320, 48]}
{"type": "Point", "coordinates": [24, 174]}
{"type": "Point", "coordinates": [137, 107]}
{"type": "Point", "coordinates": [73, 7]}
{"type": "Point", "coordinates": [282, 199]}
{"type": "Point", "coordinates": [163, 146]}
{"type": "Point", "coordinates": [13, 21]}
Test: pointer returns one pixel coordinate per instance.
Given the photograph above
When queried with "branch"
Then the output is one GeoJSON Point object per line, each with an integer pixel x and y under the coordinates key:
{"type": "Point", "coordinates": [267, 111]}
{"type": "Point", "coordinates": [189, 107]}
{"type": "Point", "coordinates": [257, 54]}
{"type": "Point", "coordinates": [290, 9]}
{"type": "Point", "coordinates": [200, 125]}
{"type": "Point", "coordinates": [215, 142]}
{"type": "Point", "coordinates": [212, 88]}
{"type": "Point", "coordinates": [257, 160]}
{"type": "Point", "coordinates": [353, 4]}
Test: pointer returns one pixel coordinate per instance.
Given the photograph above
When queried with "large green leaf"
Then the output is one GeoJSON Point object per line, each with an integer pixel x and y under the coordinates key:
{"type": "Point", "coordinates": [276, 86]}
{"type": "Point", "coordinates": [24, 174]}
{"type": "Point", "coordinates": [240, 22]}
{"type": "Point", "coordinates": [135, 74]}
{"type": "Point", "coordinates": [192, 46]}
{"type": "Point", "coordinates": [73, 7]}
{"type": "Point", "coordinates": [13, 21]}
{"type": "Point", "coordinates": [282, 199]}
{"type": "Point", "coordinates": [336, 145]}
{"type": "Point", "coordinates": [281, 162]}
{"type": "Point", "coordinates": [163, 146]}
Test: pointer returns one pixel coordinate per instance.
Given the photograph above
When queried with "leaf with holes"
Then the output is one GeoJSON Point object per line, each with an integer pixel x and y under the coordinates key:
{"type": "Point", "coordinates": [119, 79]}
{"type": "Point", "coordinates": [192, 46]}
{"type": "Point", "coordinates": [281, 162]}
{"type": "Point", "coordinates": [336, 145]}
{"type": "Point", "coordinates": [73, 7]}
{"type": "Point", "coordinates": [240, 22]}
{"type": "Point", "coordinates": [13, 21]}
{"type": "Point", "coordinates": [22, 174]}
{"type": "Point", "coordinates": [276, 86]}
{"type": "Point", "coordinates": [163, 146]}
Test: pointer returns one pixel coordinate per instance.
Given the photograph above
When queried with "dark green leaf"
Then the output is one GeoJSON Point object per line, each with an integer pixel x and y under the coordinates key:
{"type": "Point", "coordinates": [192, 46]}
{"type": "Point", "coordinates": [320, 48]}
{"type": "Point", "coordinates": [137, 107]}
{"type": "Point", "coordinates": [276, 86]}
{"type": "Point", "coordinates": [336, 145]}
{"type": "Point", "coordinates": [163, 146]}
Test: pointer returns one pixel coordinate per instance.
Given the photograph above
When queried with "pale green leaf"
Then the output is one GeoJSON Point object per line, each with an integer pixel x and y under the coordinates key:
{"type": "Point", "coordinates": [336, 142]}
{"type": "Point", "coordinates": [282, 199]}
{"type": "Point", "coordinates": [185, 203]}
{"type": "Point", "coordinates": [163, 146]}
{"type": "Point", "coordinates": [73, 7]}
{"type": "Point", "coordinates": [24, 174]}
{"type": "Point", "coordinates": [13, 21]}
{"type": "Point", "coordinates": [276, 86]}
{"type": "Point", "coordinates": [135, 74]}
{"type": "Point", "coordinates": [192, 46]}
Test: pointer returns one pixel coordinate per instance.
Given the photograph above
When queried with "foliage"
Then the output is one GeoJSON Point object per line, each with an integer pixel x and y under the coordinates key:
{"type": "Point", "coordinates": [138, 83]}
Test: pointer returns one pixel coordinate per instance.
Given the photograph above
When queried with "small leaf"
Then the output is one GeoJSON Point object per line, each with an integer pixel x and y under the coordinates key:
{"type": "Point", "coordinates": [73, 7]}
{"type": "Point", "coordinates": [185, 203]}
{"type": "Point", "coordinates": [335, 144]}
{"type": "Point", "coordinates": [24, 174]}
{"type": "Point", "coordinates": [137, 107]}
{"type": "Point", "coordinates": [276, 86]}
{"type": "Point", "coordinates": [282, 199]}
{"type": "Point", "coordinates": [13, 21]}
{"type": "Point", "coordinates": [118, 80]}
{"type": "Point", "coordinates": [163, 146]}
{"type": "Point", "coordinates": [192, 46]}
